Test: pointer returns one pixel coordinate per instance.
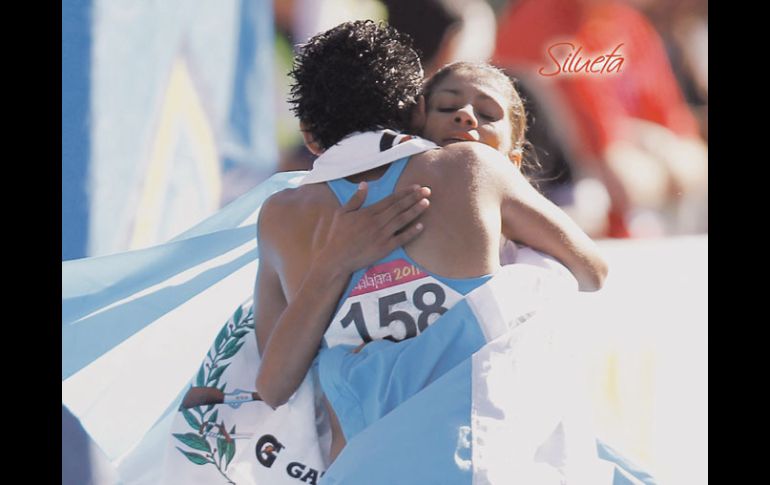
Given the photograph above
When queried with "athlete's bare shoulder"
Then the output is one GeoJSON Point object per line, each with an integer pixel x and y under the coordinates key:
{"type": "Point", "coordinates": [468, 163]}
{"type": "Point", "coordinates": [292, 212]}
{"type": "Point", "coordinates": [298, 197]}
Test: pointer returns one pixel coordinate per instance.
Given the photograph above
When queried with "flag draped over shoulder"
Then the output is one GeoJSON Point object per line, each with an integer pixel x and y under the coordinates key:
{"type": "Point", "coordinates": [483, 396]}
{"type": "Point", "coordinates": [136, 325]}
{"type": "Point", "coordinates": [141, 330]}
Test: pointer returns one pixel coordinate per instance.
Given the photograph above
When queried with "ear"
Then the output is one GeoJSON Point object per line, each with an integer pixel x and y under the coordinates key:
{"type": "Point", "coordinates": [310, 142]}
{"type": "Point", "coordinates": [419, 116]}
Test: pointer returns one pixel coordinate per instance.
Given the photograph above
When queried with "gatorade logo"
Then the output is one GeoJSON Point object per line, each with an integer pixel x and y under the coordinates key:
{"type": "Point", "coordinates": [267, 450]}
{"type": "Point", "coordinates": [303, 473]}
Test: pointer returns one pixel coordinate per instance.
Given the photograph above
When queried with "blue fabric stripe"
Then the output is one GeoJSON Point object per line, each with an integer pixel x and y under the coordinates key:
{"type": "Point", "coordinates": [378, 189]}
{"type": "Point", "coordinates": [607, 453]}
{"type": "Point", "coordinates": [418, 442]}
{"type": "Point", "coordinates": [86, 339]}
{"type": "Point", "coordinates": [114, 277]}
{"type": "Point", "coordinates": [366, 386]}
{"type": "Point", "coordinates": [91, 284]}
{"type": "Point", "coordinates": [244, 206]}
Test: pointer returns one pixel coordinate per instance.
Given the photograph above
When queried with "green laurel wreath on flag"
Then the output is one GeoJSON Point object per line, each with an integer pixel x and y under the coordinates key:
{"type": "Point", "coordinates": [217, 448]}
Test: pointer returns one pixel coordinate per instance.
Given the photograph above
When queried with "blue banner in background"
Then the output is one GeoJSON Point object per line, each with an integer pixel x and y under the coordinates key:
{"type": "Point", "coordinates": [253, 91]}
{"type": "Point", "coordinates": [167, 115]}
{"type": "Point", "coordinates": [75, 139]}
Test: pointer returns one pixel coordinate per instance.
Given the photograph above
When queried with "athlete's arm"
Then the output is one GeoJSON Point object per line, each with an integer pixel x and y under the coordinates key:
{"type": "Point", "coordinates": [291, 341]}
{"type": "Point", "coordinates": [530, 218]}
{"type": "Point", "coordinates": [289, 335]}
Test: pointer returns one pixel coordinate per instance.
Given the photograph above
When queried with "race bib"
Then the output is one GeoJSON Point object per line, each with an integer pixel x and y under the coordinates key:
{"type": "Point", "coordinates": [394, 301]}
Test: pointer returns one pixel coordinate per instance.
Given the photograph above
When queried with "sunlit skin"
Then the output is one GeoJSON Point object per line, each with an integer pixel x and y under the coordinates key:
{"type": "Point", "coordinates": [469, 107]}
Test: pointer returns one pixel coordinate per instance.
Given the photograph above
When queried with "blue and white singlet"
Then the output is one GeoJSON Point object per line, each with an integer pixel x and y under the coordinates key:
{"type": "Point", "coordinates": [394, 298]}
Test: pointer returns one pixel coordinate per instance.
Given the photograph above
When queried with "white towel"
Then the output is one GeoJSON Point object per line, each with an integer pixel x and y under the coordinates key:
{"type": "Point", "coordinates": [360, 152]}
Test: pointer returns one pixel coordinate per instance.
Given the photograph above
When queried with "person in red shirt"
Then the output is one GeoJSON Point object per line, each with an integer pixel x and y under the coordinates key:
{"type": "Point", "coordinates": [628, 127]}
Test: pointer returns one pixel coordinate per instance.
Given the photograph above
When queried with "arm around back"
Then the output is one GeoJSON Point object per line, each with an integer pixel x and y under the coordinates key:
{"type": "Point", "coordinates": [530, 218]}
{"type": "Point", "coordinates": [290, 327]}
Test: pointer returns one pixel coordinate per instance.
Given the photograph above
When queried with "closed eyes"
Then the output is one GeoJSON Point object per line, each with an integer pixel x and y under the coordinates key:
{"type": "Point", "coordinates": [483, 116]}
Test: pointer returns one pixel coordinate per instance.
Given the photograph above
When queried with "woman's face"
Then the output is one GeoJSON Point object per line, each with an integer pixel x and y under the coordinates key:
{"type": "Point", "coordinates": [468, 107]}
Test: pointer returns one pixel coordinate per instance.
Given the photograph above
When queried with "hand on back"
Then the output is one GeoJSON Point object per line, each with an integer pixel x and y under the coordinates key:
{"type": "Point", "coordinates": [356, 237]}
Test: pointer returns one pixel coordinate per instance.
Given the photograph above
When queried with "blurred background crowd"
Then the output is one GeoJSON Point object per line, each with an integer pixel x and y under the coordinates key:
{"type": "Point", "coordinates": [172, 109]}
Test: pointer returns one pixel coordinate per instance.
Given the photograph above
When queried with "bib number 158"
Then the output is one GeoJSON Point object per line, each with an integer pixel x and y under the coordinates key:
{"type": "Point", "coordinates": [355, 315]}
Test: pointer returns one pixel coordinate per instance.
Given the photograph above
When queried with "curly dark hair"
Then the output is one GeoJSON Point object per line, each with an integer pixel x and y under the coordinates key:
{"type": "Point", "coordinates": [358, 76]}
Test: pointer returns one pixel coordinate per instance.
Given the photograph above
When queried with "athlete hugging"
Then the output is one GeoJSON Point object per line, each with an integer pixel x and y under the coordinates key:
{"type": "Point", "coordinates": [383, 242]}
